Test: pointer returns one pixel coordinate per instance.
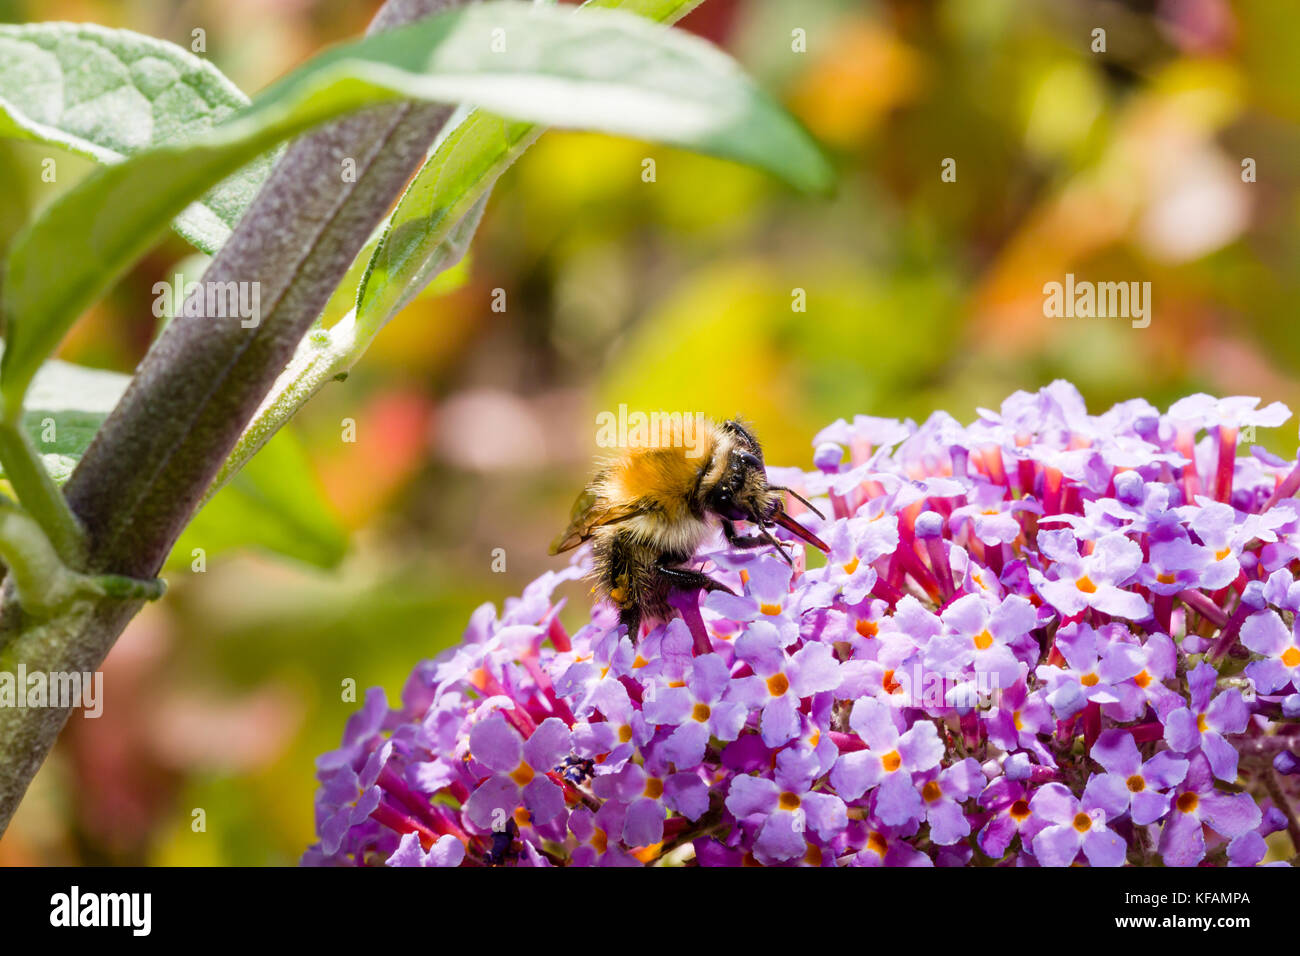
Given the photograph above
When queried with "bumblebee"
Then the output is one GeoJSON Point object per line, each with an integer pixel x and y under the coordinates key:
{"type": "Point", "coordinates": [648, 511]}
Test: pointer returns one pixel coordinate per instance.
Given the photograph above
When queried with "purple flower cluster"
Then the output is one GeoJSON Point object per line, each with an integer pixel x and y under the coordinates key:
{"type": "Point", "coordinates": [1044, 639]}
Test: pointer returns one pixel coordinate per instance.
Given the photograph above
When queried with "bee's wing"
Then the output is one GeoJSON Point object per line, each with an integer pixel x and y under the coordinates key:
{"type": "Point", "coordinates": [591, 511]}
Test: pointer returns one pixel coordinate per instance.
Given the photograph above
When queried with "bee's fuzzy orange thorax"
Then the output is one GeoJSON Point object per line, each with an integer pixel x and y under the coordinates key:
{"type": "Point", "coordinates": [667, 476]}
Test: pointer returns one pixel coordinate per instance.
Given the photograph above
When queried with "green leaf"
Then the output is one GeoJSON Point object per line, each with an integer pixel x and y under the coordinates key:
{"type": "Point", "coordinates": [462, 167]}
{"type": "Point", "coordinates": [595, 69]}
{"type": "Point", "coordinates": [273, 504]}
{"type": "Point", "coordinates": [65, 407]}
{"type": "Point", "coordinates": [106, 94]}
{"type": "Point", "coordinates": [461, 170]}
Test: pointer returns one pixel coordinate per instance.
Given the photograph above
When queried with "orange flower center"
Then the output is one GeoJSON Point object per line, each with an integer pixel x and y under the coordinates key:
{"type": "Point", "coordinates": [1164, 577]}
{"type": "Point", "coordinates": [789, 801]}
{"type": "Point", "coordinates": [625, 733]}
{"type": "Point", "coordinates": [1085, 585]}
{"type": "Point", "coordinates": [891, 761]}
{"type": "Point", "coordinates": [1089, 680]}
{"type": "Point", "coordinates": [701, 712]}
{"type": "Point", "coordinates": [876, 841]}
{"type": "Point", "coordinates": [771, 610]}
{"type": "Point", "coordinates": [983, 640]}
{"type": "Point", "coordinates": [1019, 810]}
{"type": "Point", "coordinates": [1142, 679]}
{"type": "Point", "coordinates": [1291, 657]}
{"type": "Point", "coordinates": [648, 854]}
{"type": "Point", "coordinates": [888, 682]}
{"type": "Point", "coordinates": [1201, 723]}
{"type": "Point", "coordinates": [931, 792]}
{"type": "Point", "coordinates": [522, 775]}
{"type": "Point", "coordinates": [867, 629]}
{"type": "Point", "coordinates": [654, 788]}
{"type": "Point", "coordinates": [1082, 822]}
{"type": "Point", "coordinates": [778, 684]}
{"type": "Point", "coordinates": [1188, 802]}
{"type": "Point", "coordinates": [852, 565]}
{"type": "Point", "coordinates": [1135, 783]}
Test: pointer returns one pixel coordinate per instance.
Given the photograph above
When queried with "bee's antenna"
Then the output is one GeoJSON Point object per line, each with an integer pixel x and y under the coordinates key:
{"type": "Point", "coordinates": [791, 491]}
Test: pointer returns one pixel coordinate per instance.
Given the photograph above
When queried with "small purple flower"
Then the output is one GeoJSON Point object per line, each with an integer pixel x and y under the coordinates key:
{"type": "Point", "coordinates": [788, 807]}
{"type": "Point", "coordinates": [1158, 658]}
{"type": "Point", "coordinates": [1198, 804]}
{"type": "Point", "coordinates": [696, 711]}
{"type": "Point", "coordinates": [1095, 667]}
{"type": "Point", "coordinates": [992, 518]}
{"type": "Point", "coordinates": [1129, 785]}
{"type": "Point", "coordinates": [855, 544]}
{"type": "Point", "coordinates": [888, 763]}
{"type": "Point", "coordinates": [1012, 815]}
{"type": "Point", "coordinates": [1019, 718]}
{"type": "Point", "coordinates": [648, 796]}
{"type": "Point", "coordinates": [1073, 826]}
{"type": "Point", "coordinates": [1095, 580]}
{"type": "Point", "coordinates": [1225, 532]}
{"type": "Point", "coordinates": [348, 797]}
{"type": "Point", "coordinates": [943, 792]}
{"type": "Point", "coordinates": [520, 771]}
{"type": "Point", "coordinates": [781, 680]}
{"type": "Point", "coordinates": [1175, 562]}
{"type": "Point", "coordinates": [446, 851]}
{"type": "Point", "coordinates": [1201, 411]}
{"type": "Point", "coordinates": [1203, 725]}
{"type": "Point", "coordinates": [1266, 635]}
{"type": "Point", "coordinates": [979, 636]}
{"type": "Point", "coordinates": [767, 593]}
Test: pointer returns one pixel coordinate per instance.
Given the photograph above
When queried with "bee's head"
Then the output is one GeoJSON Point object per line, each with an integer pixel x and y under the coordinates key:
{"type": "Point", "coordinates": [741, 492]}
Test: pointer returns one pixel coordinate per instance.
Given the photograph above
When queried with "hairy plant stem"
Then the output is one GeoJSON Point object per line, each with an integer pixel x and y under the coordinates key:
{"type": "Point", "coordinates": [147, 470]}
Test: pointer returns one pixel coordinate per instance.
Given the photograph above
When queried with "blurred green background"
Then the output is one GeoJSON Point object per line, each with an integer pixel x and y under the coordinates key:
{"type": "Point", "coordinates": [475, 428]}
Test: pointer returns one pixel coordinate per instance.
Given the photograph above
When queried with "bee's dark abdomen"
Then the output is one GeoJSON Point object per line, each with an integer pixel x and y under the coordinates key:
{"type": "Point", "coordinates": [628, 573]}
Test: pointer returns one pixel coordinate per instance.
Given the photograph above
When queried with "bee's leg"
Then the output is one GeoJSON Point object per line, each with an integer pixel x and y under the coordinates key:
{"type": "Point", "coordinates": [630, 617]}
{"type": "Point", "coordinates": [740, 540]}
{"type": "Point", "coordinates": [753, 540]}
{"type": "Point", "coordinates": [686, 579]}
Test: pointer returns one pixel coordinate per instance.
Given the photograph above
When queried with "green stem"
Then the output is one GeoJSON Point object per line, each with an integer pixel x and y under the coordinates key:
{"type": "Point", "coordinates": [39, 494]}
{"type": "Point", "coordinates": [45, 585]}
{"type": "Point", "coordinates": [321, 357]}
{"type": "Point", "coordinates": [42, 582]}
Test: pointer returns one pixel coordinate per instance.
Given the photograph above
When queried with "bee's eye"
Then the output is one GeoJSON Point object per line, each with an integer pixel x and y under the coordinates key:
{"type": "Point", "coordinates": [748, 460]}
